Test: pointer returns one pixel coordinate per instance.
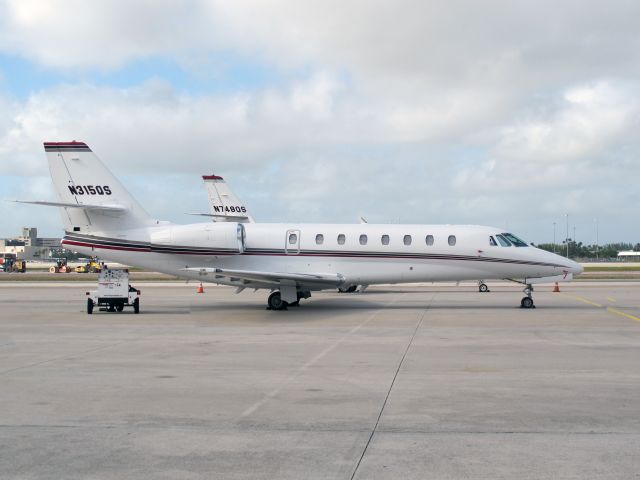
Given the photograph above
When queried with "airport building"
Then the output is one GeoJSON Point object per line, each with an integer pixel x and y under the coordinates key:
{"type": "Point", "coordinates": [29, 246]}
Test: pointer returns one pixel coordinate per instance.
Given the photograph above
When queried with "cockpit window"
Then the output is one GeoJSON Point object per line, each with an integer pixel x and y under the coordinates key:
{"type": "Point", "coordinates": [503, 241]}
{"type": "Point", "coordinates": [492, 241]}
{"type": "Point", "coordinates": [515, 240]}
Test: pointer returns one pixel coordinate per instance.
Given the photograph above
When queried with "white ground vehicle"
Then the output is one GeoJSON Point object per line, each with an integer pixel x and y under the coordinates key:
{"type": "Point", "coordinates": [114, 292]}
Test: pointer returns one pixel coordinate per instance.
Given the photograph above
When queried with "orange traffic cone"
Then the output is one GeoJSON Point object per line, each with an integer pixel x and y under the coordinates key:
{"type": "Point", "coordinates": [200, 288]}
{"type": "Point", "coordinates": [556, 289]}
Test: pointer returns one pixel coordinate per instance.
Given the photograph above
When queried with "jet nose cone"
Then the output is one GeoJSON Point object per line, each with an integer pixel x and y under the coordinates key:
{"type": "Point", "coordinates": [576, 268]}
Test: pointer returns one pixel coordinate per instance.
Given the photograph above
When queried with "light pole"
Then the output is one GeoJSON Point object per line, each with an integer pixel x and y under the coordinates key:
{"type": "Point", "coordinates": [597, 242]}
{"type": "Point", "coordinates": [567, 237]}
{"type": "Point", "coordinates": [554, 237]}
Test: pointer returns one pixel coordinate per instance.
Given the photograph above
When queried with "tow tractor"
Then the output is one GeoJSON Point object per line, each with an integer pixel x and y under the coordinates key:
{"type": "Point", "coordinates": [94, 266]}
{"type": "Point", "coordinates": [114, 292]}
{"type": "Point", "coordinates": [60, 266]}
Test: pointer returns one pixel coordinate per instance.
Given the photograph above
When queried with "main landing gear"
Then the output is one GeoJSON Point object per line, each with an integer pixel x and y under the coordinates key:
{"type": "Point", "coordinates": [276, 302]}
{"type": "Point", "coordinates": [527, 302]}
{"type": "Point", "coordinates": [349, 289]}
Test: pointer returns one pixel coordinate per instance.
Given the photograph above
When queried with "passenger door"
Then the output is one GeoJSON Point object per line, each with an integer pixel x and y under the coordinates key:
{"type": "Point", "coordinates": [292, 242]}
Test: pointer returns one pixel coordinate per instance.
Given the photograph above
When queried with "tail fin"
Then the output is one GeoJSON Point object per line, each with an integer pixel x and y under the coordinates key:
{"type": "Point", "coordinates": [90, 197]}
{"type": "Point", "coordinates": [224, 205]}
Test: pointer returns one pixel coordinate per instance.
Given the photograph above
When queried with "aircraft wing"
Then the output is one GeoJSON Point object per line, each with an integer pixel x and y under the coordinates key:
{"type": "Point", "coordinates": [272, 278]}
{"type": "Point", "coordinates": [104, 208]}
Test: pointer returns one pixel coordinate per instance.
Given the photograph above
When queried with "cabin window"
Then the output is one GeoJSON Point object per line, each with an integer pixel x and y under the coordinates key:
{"type": "Point", "coordinates": [407, 240]}
{"type": "Point", "coordinates": [429, 240]}
{"type": "Point", "coordinates": [452, 240]}
{"type": "Point", "coordinates": [515, 240]}
{"type": "Point", "coordinates": [341, 239]}
{"type": "Point", "coordinates": [293, 239]}
{"type": "Point", "coordinates": [319, 239]}
{"type": "Point", "coordinates": [385, 239]}
{"type": "Point", "coordinates": [492, 241]}
{"type": "Point", "coordinates": [503, 241]}
{"type": "Point", "coordinates": [363, 239]}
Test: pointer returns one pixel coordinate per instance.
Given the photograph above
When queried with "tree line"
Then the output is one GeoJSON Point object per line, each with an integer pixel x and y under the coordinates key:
{"type": "Point", "coordinates": [580, 250]}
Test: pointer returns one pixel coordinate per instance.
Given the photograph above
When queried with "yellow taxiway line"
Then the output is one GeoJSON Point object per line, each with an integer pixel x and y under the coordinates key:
{"type": "Point", "coordinates": [608, 309]}
{"type": "Point", "coordinates": [623, 314]}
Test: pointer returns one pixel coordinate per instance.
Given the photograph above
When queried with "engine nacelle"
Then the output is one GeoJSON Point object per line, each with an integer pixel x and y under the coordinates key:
{"type": "Point", "coordinates": [221, 235]}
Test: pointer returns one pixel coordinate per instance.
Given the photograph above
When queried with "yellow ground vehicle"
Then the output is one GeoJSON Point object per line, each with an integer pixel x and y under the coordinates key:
{"type": "Point", "coordinates": [9, 263]}
{"type": "Point", "coordinates": [60, 266]}
{"type": "Point", "coordinates": [92, 267]}
{"type": "Point", "coordinates": [19, 266]}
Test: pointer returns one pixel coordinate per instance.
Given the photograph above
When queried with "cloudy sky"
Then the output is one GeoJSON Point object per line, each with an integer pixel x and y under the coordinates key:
{"type": "Point", "coordinates": [504, 113]}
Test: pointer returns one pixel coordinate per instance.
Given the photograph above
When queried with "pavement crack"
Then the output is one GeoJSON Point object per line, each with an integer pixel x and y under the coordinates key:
{"type": "Point", "coordinates": [393, 381]}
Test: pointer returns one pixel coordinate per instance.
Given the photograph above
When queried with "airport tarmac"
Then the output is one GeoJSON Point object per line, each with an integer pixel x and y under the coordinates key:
{"type": "Point", "coordinates": [436, 382]}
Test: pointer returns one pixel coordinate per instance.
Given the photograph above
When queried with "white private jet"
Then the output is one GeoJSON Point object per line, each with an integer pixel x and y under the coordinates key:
{"type": "Point", "coordinates": [292, 260]}
{"type": "Point", "coordinates": [224, 205]}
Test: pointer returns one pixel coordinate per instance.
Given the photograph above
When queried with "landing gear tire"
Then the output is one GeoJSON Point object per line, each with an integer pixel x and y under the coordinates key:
{"type": "Point", "coordinates": [482, 288]}
{"type": "Point", "coordinates": [527, 302]}
{"type": "Point", "coordinates": [349, 289]}
{"type": "Point", "coordinates": [275, 302]}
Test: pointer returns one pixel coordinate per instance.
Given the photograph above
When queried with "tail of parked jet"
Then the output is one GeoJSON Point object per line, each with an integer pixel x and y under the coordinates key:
{"type": "Point", "coordinates": [224, 204]}
{"type": "Point", "coordinates": [90, 198]}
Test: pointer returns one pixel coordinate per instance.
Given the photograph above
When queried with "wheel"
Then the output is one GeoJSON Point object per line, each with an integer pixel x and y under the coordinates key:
{"type": "Point", "coordinates": [349, 289]}
{"type": "Point", "coordinates": [112, 308]}
{"type": "Point", "coordinates": [483, 288]}
{"type": "Point", "coordinates": [136, 305]}
{"type": "Point", "coordinates": [89, 306]}
{"type": "Point", "coordinates": [52, 269]}
{"type": "Point", "coordinates": [527, 302]}
{"type": "Point", "coordinates": [119, 308]}
{"type": "Point", "coordinates": [275, 302]}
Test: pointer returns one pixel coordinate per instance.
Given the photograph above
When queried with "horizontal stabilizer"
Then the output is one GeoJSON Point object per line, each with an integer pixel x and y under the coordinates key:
{"type": "Point", "coordinates": [275, 278]}
{"type": "Point", "coordinates": [213, 215]}
{"type": "Point", "coordinates": [104, 208]}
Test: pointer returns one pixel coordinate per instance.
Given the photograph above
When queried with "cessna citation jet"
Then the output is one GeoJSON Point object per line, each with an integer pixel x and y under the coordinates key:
{"type": "Point", "coordinates": [291, 260]}
{"type": "Point", "coordinates": [224, 205]}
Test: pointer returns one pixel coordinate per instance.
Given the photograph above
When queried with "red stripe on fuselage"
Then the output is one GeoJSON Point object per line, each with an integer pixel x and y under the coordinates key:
{"type": "Point", "coordinates": [105, 247]}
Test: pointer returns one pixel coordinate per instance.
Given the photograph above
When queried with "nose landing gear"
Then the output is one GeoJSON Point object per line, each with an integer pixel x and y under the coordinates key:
{"type": "Point", "coordinates": [527, 302]}
{"type": "Point", "coordinates": [483, 287]}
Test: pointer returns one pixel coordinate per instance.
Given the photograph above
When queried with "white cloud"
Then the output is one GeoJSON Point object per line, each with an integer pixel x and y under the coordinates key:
{"type": "Point", "coordinates": [428, 111]}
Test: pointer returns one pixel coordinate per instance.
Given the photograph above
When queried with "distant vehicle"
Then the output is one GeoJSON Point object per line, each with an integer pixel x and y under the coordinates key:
{"type": "Point", "coordinates": [60, 266]}
{"type": "Point", "coordinates": [9, 263]}
{"type": "Point", "coordinates": [92, 267]}
{"type": "Point", "coordinates": [6, 261]}
{"type": "Point", "coordinates": [114, 292]}
{"type": "Point", "coordinates": [289, 259]}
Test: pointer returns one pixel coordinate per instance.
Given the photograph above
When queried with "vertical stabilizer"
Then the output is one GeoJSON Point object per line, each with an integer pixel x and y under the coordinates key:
{"type": "Point", "coordinates": [100, 202]}
{"type": "Point", "coordinates": [224, 205]}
